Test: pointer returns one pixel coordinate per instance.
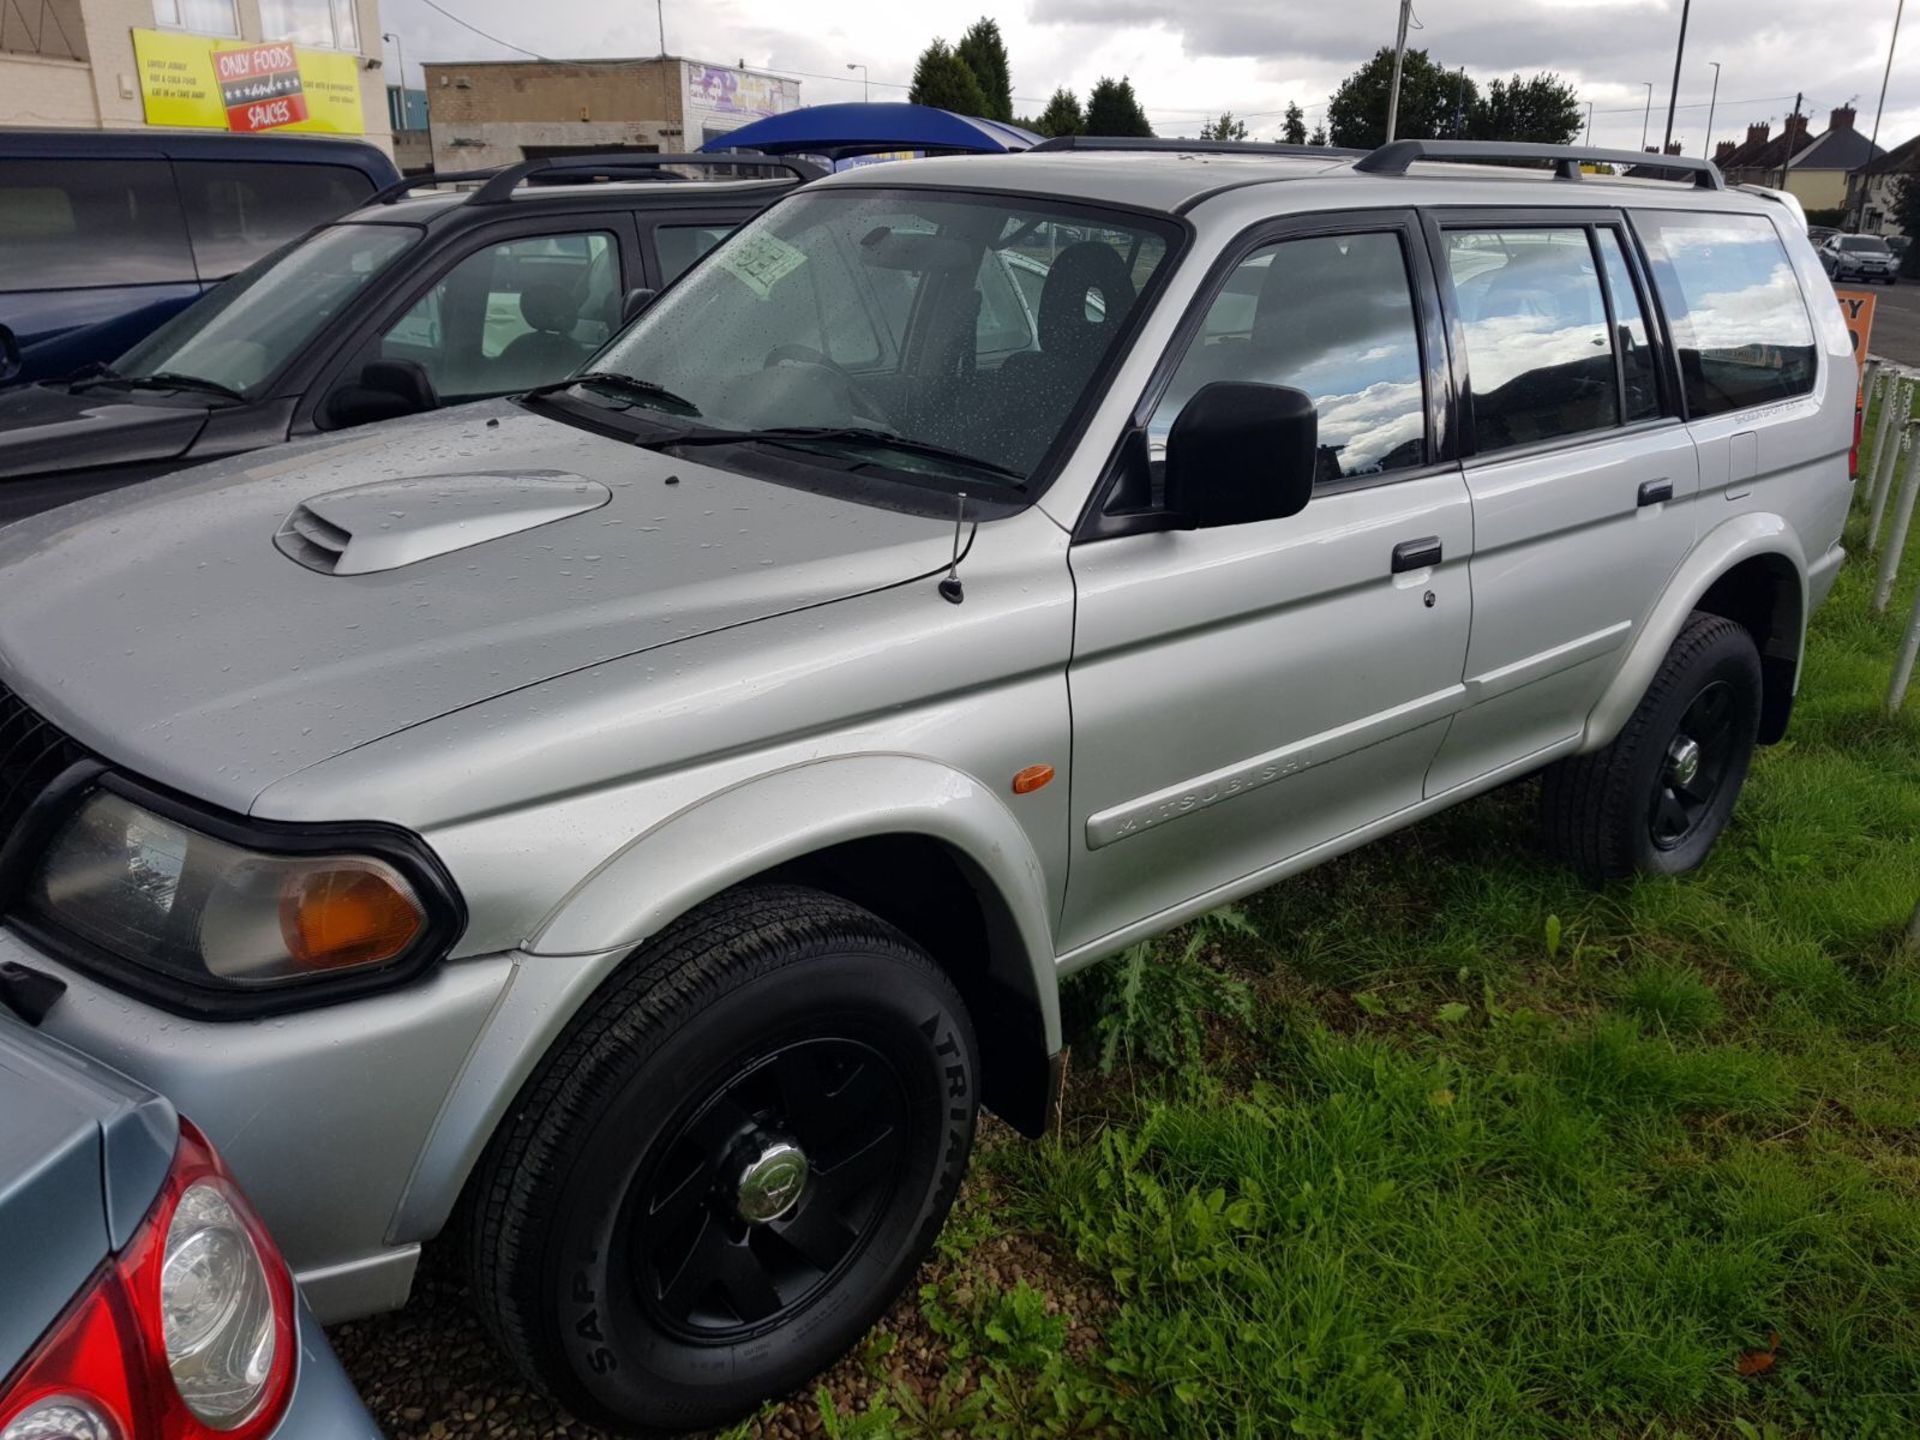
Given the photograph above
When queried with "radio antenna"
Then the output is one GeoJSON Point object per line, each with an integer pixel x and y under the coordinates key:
{"type": "Point", "coordinates": [950, 588]}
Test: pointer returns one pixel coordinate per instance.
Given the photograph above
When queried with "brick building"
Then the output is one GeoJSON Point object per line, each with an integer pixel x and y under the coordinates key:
{"type": "Point", "coordinates": [496, 112]}
{"type": "Point", "coordinates": [125, 64]}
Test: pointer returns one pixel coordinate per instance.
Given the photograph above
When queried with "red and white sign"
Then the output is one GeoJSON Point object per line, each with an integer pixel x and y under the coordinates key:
{"type": "Point", "coordinates": [260, 87]}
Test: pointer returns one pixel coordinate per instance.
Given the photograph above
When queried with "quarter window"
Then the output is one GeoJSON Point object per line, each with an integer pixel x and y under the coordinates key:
{"type": "Point", "coordinates": [1333, 316]}
{"type": "Point", "coordinates": [1739, 321]}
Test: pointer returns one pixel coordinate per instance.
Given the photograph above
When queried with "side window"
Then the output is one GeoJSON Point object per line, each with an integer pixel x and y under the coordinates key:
{"type": "Point", "coordinates": [71, 223]}
{"type": "Point", "coordinates": [512, 315]}
{"type": "Point", "coordinates": [1530, 305]}
{"type": "Point", "coordinates": [1739, 321]}
{"type": "Point", "coordinates": [681, 245]}
{"type": "Point", "coordinates": [1331, 315]}
{"type": "Point", "coordinates": [238, 210]}
{"type": "Point", "coordinates": [1630, 336]}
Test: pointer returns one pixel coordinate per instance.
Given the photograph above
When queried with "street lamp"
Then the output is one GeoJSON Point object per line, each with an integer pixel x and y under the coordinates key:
{"type": "Point", "coordinates": [1712, 105]}
{"type": "Point", "coordinates": [403, 76]}
{"type": "Point", "coordinates": [865, 92]}
{"type": "Point", "coordinates": [1648, 121]}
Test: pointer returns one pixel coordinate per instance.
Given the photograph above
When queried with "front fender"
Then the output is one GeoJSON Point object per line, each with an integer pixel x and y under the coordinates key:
{"type": "Point", "coordinates": [1742, 537]}
{"type": "Point", "coordinates": [772, 819]}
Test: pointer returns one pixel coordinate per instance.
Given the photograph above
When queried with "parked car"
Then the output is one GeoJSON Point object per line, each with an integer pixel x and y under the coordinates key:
{"type": "Point", "coordinates": [1820, 234]}
{"type": "Point", "coordinates": [412, 301]}
{"type": "Point", "coordinates": [143, 1297]}
{"type": "Point", "coordinates": [108, 233]}
{"type": "Point", "coordinates": [659, 809]}
{"type": "Point", "coordinates": [1860, 257]}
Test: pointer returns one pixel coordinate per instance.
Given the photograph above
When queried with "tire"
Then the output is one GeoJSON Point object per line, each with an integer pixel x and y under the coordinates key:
{"type": "Point", "coordinates": [1619, 810]}
{"type": "Point", "coordinates": [769, 1015]}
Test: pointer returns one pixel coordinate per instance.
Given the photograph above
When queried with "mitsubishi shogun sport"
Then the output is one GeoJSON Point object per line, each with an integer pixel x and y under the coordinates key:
{"type": "Point", "coordinates": [646, 819]}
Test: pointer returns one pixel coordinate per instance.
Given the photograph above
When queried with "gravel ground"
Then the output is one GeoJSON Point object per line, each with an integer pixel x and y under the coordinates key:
{"type": "Point", "coordinates": [429, 1372]}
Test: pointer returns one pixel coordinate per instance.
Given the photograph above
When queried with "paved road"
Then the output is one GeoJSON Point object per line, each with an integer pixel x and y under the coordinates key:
{"type": "Point", "coordinates": [1896, 320]}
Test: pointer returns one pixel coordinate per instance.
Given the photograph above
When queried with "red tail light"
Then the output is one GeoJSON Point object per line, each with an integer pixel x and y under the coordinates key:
{"type": "Point", "coordinates": [187, 1334]}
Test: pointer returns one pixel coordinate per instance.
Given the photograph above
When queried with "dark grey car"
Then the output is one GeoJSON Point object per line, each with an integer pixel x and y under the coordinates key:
{"type": "Point", "coordinates": [139, 1294]}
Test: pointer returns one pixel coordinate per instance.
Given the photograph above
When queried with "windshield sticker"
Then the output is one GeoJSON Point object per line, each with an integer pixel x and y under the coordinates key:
{"type": "Point", "coordinates": [760, 261]}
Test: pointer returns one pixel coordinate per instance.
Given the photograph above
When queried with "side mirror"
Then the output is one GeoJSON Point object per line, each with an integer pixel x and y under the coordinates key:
{"type": "Point", "coordinates": [1240, 451]}
{"type": "Point", "coordinates": [10, 362]}
{"type": "Point", "coordinates": [385, 390]}
{"type": "Point", "coordinates": [634, 302]}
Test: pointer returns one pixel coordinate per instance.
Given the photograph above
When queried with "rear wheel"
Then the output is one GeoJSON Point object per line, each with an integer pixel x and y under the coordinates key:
{"type": "Point", "coordinates": [729, 1165]}
{"type": "Point", "coordinates": [1655, 800]}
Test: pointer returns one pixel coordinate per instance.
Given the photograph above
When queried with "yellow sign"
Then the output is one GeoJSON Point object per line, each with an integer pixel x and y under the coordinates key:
{"type": "Point", "coordinates": [190, 80]}
{"type": "Point", "coordinates": [1856, 308]}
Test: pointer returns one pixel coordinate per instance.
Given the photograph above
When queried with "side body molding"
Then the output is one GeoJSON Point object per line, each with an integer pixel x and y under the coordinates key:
{"type": "Point", "coordinates": [748, 829]}
{"type": "Point", "coordinates": [1743, 537]}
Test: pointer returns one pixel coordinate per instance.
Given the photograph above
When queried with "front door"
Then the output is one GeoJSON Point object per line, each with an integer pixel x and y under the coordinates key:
{"type": "Point", "coordinates": [1245, 694]}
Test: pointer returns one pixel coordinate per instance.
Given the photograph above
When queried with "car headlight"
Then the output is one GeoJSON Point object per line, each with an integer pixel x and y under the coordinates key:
{"type": "Point", "coordinates": [147, 888]}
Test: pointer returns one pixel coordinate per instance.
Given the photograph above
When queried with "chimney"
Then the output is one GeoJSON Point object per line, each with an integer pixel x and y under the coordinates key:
{"type": "Point", "coordinates": [1757, 134]}
{"type": "Point", "coordinates": [1723, 150]}
{"type": "Point", "coordinates": [1673, 147]}
{"type": "Point", "coordinates": [1841, 119]}
{"type": "Point", "coordinates": [1796, 126]}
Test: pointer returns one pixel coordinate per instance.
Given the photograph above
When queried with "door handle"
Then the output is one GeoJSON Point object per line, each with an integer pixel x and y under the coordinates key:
{"type": "Point", "coordinates": [1416, 554]}
{"type": "Point", "coordinates": [1653, 492]}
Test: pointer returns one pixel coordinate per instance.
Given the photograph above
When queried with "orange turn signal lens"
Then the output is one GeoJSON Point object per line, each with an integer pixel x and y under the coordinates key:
{"type": "Point", "coordinates": [1031, 779]}
{"type": "Point", "coordinates": [353, 912]}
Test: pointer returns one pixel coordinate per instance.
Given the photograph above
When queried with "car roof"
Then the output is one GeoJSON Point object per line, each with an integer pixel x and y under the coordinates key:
{"type": "Point", "coordinates": [23, 144]}
{"type": "Point", "coordinates": [428, 206]}
{"type": "Point", "coordinates": [1175, 180]}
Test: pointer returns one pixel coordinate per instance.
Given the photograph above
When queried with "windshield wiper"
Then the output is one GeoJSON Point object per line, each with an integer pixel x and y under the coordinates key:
{"type": "Point", "coordinates": [648, 392]}
{"type": "Point", "coordinates": [857, 437]}
{"type": "Point", "coordinates": [160, 380]}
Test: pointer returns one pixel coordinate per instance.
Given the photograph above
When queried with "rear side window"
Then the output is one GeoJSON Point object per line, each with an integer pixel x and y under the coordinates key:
{"type": "Point", "coordinates": [1535, 321]}
{"type": "Point", "coordinates": [681, 245]}
{"type": "Point", "coordinates": [65, 224]}
{"type": "Point", "coordinates": [238, 210]}
{"type": "Point", "coordinates": [1738, 318]}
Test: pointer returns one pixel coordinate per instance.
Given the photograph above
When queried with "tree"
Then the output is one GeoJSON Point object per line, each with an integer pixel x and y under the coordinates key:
{"type": "Point", "coordinates": [1113, 109]}
{"type": "Point", "coordinates": [1295, 132]}
{"type": "Point", "coordinates": [1544, 110]}
{"type": "Point", "coordinates": [943, 80]}
{"type": "Point", "coordinates": [1431, 101]}
{"type": "Point", "coordinates": [985, 54]}
{"type": "Point", "coordinates": [1225, 128]}
{"type": "Point", "coordinates": [1906, 214]}
{"type": "Point", "coordinates": [1319, 134]}
{"type": "Point", "coordinates": [1062, 116]}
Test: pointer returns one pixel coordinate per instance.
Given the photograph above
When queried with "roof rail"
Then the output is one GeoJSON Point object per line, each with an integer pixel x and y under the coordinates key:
{"type": "Point", "coordinates": [623, 163]}
{"type": "Point", "coordinates": [1174, 145]}
{"type": "Point", "coordinates": [502, 180]}
{"type": "Point", "coordinates": [1395, 156]}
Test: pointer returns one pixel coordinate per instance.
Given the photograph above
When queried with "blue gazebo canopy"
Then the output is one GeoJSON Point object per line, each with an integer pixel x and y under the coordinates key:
{"type": "Point", "coordinates": [840, 131]}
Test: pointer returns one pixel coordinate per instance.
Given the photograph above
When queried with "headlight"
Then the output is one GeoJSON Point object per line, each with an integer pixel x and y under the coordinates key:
{"type": "Point", "coordinates": [145, 888]}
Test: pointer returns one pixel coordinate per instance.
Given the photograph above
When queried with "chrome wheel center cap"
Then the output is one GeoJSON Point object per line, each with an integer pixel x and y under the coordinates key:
{"type": "Point", "coordinates": [1683, 760]}
{"type": "Point", "coordinates": [770, 1182]}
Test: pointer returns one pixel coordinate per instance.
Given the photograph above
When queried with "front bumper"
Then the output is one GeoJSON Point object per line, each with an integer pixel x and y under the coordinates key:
{"type": "Point", "coordinates": [322, 1115]}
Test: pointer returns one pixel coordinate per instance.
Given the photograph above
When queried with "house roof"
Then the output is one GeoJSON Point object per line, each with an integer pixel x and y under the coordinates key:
{"type": "Point", "coordinates": [1841, 148]}
{"type": "Point", "coordinates": [1901, 160]}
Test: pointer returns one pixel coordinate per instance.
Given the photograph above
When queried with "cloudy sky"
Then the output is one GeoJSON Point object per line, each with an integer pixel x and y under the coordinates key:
{"type": "Point", "coordinates": [1189, 60]}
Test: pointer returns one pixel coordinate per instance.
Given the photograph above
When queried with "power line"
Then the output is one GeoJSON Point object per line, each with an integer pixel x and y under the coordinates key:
{"type": "Point", "coordinates": [467, 25]}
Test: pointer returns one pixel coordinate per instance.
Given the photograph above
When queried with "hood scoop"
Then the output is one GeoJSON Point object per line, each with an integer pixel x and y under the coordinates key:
{"type": "Point", "coordinates": [393, 523]}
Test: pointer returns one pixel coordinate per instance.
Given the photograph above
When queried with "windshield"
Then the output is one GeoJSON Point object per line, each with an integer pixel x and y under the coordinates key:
{"type": "Point", "coordinates": [968, 328]}
{"type": "Point", "coordinates": [1871, 243]}
{"type": "Point", "coordinates": [240, 333]}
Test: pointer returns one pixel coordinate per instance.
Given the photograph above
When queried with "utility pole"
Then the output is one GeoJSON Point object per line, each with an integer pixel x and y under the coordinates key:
{"type": "Point", "coordinates": [1589, 122]}
{"type": "Point", "coordinates": [1712, 105]}
{"type": "Point", "coordinates": [1460, 105]}
{"type": "Point", "coordinates": [1647, 119]}
{"type": "Point", "coordinates": [1399, 59]}
{"type": "Point", "coordinates": [1786, 154]}
{"type": "Point", "coordinates": [1866, 181]}
{"type": "Point", "coordinates": [1679, 52]}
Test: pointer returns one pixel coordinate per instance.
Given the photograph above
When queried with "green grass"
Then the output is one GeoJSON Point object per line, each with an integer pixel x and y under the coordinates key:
{"type": "Point", "coordinates": [1435, 1142]}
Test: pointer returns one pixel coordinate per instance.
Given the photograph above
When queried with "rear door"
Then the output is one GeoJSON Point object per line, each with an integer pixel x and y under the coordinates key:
{"type": "Point", "coordinates": [1246, 694]}
{"type": "Point", "coordinates": [1581, 473]}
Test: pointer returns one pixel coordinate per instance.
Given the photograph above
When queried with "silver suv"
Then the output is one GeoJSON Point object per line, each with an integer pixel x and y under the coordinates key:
{"type": "Point", "coordinates": [647, 819]}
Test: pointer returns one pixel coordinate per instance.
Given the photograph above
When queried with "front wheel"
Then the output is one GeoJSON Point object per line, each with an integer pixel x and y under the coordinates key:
{"type": "Point", "coordinates": [729, 1165]}
{"type": "Point", "coordinates": [1655, 800]}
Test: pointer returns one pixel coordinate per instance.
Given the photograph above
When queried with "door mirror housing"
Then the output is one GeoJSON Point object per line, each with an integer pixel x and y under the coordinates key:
{"type": "Point", "coordinates": [1240, 452]}
{"type": "Point", "coordinates": [10, 362]}
{"type": "Point", "coordinates": [634, 302]}
{"type": "Point", "coordinates": [384, 390]}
